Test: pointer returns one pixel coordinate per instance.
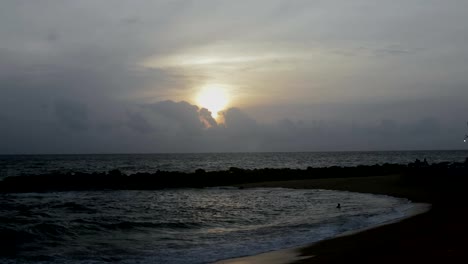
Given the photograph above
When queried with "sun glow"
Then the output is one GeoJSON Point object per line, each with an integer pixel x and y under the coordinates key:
{"type": "Point", "coordinates": [213, 98]}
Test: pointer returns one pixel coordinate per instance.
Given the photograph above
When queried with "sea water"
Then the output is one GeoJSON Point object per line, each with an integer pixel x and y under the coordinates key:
{"type": "Point", "coordinates": [13, 165]}
{"type": "Point", "coordinates": [185, 225]}
{"type": "Point", "coordinates": [179, 225]}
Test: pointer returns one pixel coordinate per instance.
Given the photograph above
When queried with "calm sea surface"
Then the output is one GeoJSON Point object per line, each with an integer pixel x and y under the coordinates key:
{"type": "Point", "coordinates": [11, 165]}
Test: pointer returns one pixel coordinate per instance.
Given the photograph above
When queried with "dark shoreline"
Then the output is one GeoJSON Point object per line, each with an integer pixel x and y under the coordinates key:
{"type": "Point", "coordinates": [438, 236]}
{"type": "Point", "coordinates": [418, 172]}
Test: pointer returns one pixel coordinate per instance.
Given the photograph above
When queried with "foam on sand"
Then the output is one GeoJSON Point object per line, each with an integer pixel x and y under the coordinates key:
{"type": "Point", "coordinates": [291, 255]}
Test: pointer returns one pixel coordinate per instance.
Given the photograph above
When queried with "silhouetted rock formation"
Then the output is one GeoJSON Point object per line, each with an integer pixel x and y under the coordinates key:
{"type": "Point", "coordinates": [418, 172]}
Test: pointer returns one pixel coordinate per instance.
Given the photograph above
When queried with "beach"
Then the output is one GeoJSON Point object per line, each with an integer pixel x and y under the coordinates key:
{"type": "Point", "coordinates": [438, 236]}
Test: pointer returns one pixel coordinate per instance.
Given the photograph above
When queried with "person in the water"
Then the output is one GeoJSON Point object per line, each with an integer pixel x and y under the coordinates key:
{"type": "Point", "coordinates": [338, 206]}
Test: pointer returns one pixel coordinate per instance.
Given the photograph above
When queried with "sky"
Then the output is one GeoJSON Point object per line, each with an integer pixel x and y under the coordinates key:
{"type": "Point", "coordinates": [115, 76]}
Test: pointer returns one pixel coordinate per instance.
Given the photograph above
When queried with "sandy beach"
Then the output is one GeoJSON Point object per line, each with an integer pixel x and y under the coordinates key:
{"type": "Point", "coordinates": [437, 236]}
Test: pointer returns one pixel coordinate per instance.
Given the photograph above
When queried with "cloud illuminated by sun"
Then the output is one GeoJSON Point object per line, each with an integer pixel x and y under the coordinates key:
{"type": "Point", "coordinates": [214, 98]}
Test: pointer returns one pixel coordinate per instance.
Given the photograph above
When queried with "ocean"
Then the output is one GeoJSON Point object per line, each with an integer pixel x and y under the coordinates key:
{"type": "Point", "coordinates": [14, 165]}
{"type": "Point", "coordinates": [178, 226]}
{"type": "Point", "coordinates": [186, 225]}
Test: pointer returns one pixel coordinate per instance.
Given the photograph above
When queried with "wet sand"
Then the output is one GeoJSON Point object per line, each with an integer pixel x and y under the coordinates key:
{"type": "Point", "coordinates": [283, 256]}
{"type": "Point", "coordinates": [437, 236]}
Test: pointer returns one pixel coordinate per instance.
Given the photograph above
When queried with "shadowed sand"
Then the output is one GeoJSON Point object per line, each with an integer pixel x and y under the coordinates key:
{"type": "Point", "coordinates": [283, 256]}
{"type": "Point", "coordinates": [437, 236]}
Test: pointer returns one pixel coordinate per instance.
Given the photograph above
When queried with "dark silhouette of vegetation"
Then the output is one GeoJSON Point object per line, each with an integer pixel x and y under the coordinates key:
{"type": "Point", "coordinates": [436, 175]}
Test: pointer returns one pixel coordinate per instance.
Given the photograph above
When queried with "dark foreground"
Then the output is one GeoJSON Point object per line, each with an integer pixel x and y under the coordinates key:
{"type": "Point", "coordinates": [439, 236]}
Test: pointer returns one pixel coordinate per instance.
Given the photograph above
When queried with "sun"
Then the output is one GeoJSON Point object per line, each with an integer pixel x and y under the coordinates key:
{"type": "Point", "coordinates": [213, 98]}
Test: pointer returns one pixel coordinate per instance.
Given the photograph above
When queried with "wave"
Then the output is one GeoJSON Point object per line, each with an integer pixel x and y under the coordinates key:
{"type": "Point", "coordinates": [49, 230]}
{"type": "Point", "coordinates": [127, 225]}
{"type": "Point", "coordinates": [12, 238]}
{"type": "Point", "coordinates": [222, 188]}
{"type": "Point", "coordinates": [75, 207]}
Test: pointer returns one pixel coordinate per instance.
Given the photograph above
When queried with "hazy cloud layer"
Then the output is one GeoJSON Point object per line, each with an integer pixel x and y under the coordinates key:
{"type": "Point", "coordinates": [169, 126]}
{"type": "Point", "coordinates": [121, 76]}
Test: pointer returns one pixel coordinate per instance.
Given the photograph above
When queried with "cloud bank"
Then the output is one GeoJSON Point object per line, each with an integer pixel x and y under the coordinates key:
{"type": "Point", "coordinates": [168, 126]}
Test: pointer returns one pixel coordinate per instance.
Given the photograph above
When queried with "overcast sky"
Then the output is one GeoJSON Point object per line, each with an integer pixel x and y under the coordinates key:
{"type": "Point", "coordinates": [124, 76]}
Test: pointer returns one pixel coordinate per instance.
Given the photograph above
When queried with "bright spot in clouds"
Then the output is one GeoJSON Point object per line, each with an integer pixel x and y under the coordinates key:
{"type": "Point", "coordinates": [213, 98]}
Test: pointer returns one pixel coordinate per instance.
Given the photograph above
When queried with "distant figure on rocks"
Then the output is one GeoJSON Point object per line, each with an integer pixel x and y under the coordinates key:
{"type": "Point", "coordinates": [425, 163]}
{"type": "Point", "coordinates": [466, 136]}
{"type": "Point", "coordinates": [338, 206]}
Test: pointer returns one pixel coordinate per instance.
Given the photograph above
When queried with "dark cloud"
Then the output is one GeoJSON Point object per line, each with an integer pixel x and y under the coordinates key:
{"type": "Point", "coordinates": [206, 118]}
{"type": "Point", "coordinates": [236, 119]}
{"type": "Point", "coordinates": [53, 36]}
{"type": "Point", "coordinates": [131, 20]}
{"type": "Point", "coordinates": [72, 115]}
{"type": "Point", "coordinates": [180, 115]}
{"type": "Point", "coordinates": [169, 126]}
{"type": "Point", "coordinates": [138, 123]}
